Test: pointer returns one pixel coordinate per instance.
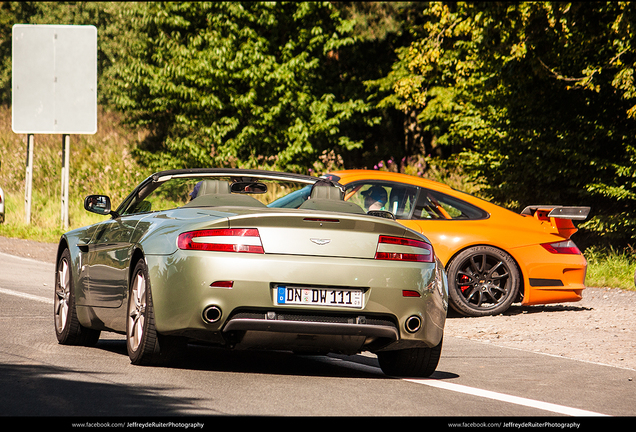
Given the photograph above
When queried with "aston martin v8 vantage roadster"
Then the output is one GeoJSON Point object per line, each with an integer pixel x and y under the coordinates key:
{"type": "Point", "coordinates": [198, 256]}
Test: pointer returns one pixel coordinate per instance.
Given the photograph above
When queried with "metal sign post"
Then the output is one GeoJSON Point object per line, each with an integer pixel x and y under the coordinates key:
{"type": "Point", "coordinates": [29, 179]}
{"type": "Point", "coordinates": [54, 90]}
{"type": "Point", "coordinates": [66, 150]}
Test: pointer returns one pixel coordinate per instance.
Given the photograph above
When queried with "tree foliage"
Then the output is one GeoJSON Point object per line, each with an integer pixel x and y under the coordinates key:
{"type": "Point", "coordinates": [538, 95]}
{"type": "Point", "coordinates": [233, 83]}
{"type": "Point", "coordinates": [381, 30]}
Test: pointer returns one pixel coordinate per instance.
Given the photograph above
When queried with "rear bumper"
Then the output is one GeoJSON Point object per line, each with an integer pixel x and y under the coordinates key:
{"type": "Point", "coordinates": [550, 278]}
{"type": "Point", "coordinates": [310, 332]}
{"type": "Point", "coordinates": [250, 317]}
{"type": "Point", "coordinates": [282, 324]}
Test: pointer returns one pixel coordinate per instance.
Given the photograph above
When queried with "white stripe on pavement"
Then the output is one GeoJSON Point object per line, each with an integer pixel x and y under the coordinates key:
{"type": "Point", "coordinates": [560, 409]}
{"type": "Point", "coordinates": [26, 296]}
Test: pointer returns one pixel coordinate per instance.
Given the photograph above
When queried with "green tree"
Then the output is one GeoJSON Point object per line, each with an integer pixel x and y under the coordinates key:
{"type": "Point", "coordinates": [382, 31]}
{"type": "Point", "coordinates": [539, 95]}
{"type": "Point", "coordinates": [231, 83]}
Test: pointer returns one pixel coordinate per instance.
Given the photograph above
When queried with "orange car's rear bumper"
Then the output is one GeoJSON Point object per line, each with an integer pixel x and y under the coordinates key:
{"type": "Point", "coordinates": [550, 278]}
{"type": "Point", "coordinates": [545, 295]}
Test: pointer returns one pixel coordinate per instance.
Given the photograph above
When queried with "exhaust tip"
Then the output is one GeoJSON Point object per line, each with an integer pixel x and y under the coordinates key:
{"type": "Point", "coordinates": [211, 314]}
{"type": "Point", "coordinates": [413, 324]}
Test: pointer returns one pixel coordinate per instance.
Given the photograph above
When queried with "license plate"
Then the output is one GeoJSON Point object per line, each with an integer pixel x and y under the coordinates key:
{"type": "Point", "coordinates": [286, 295]}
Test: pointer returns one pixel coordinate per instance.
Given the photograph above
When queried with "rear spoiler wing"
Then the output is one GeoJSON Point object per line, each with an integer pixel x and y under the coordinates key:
{"type": "Point", "coordinates": [558, 212]}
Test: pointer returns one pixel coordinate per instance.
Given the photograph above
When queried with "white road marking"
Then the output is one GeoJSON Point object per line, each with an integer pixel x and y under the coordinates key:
{"type": "Point", "coordinates": [26, 296]}
{"type": "Point", "coordinates": [33, 260]}
{"type": "Point", "coordinates": [559, 409]}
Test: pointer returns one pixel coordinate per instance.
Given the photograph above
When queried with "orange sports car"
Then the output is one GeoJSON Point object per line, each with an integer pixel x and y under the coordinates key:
{"type": "Point", "coordinates": [493, 256]}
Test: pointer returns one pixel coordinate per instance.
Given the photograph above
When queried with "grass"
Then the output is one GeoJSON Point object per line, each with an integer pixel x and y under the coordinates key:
{"type": "Point", "coordinates": [102, 163]}
{"type": "Point", "coordinates": [610, 268]}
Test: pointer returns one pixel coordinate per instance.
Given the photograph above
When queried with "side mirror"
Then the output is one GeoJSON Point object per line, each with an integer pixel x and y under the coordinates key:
{"type": "Point", "coordinates": [99, 204]}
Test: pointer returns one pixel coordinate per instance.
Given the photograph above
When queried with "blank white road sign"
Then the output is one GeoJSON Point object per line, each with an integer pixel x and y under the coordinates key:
{"type": "Point", "coordinates": [54, 79]}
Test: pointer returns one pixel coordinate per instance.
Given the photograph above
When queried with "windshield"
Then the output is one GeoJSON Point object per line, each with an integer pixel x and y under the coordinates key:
{"type": "Point", "coordinates": [171, 192]}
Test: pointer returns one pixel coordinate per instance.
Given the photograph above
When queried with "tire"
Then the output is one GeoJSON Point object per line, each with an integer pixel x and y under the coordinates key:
{"type": "Point", "coordinates": [412, 362]}
{"type": "Point", "coordinates": [145, 346]}
{"type": "Point", "coordinates": [482, 280]}
{"type": "Point", "coordinates": [68, 329]}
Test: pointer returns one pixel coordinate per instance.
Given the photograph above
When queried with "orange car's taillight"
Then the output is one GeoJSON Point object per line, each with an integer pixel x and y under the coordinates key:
{"type": "Point", "coordinates": [403, 249]}
{"type": "Point", "coordinates": [562, 247]}
{"type": "Point", "coordinates": [222, 240]}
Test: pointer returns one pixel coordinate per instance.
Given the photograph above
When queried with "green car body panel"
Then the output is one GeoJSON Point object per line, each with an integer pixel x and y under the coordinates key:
{"type": "Point", "coordinates": [230, 298]}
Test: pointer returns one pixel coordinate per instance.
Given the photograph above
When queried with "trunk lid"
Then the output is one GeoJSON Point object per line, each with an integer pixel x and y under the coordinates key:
{"type": "Point", "coordinates": [320, 234]}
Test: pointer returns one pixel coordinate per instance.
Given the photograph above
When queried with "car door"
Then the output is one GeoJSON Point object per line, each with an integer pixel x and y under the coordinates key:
{"type": "Point", "coordinates": [107, 260]}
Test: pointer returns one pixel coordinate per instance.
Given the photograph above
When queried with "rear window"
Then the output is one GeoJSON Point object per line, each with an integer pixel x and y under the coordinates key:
{"type": "Point", "coordinates": [410, 202]}
{"type": "Point", "coordinates": [436, 205]}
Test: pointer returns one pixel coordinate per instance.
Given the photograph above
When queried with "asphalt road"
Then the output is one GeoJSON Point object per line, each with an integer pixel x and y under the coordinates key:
{"type": "Point", "coordinates": [474, 381]}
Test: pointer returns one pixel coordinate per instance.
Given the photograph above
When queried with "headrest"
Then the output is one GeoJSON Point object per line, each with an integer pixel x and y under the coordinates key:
{"type": "Point", "coordinates": [208, 187]}
{"type": "Point", "coordinates": [327, 192]}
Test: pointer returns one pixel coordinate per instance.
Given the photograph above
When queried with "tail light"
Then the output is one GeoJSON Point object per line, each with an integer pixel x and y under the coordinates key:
{"type": "Point", "coordinates": [562, 247]}
{"type": "Point", "coordinates": [403, 249]}
{"type": "Point", "coordinates": [222, 284]}
{"type": "Point", "coordinates": [222, 240]}
{"type": "Point", "coordinates": [321, 220]}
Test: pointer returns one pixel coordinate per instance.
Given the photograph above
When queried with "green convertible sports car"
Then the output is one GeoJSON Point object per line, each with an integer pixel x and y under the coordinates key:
{"type": "Point", "coordinates": [214, 256]}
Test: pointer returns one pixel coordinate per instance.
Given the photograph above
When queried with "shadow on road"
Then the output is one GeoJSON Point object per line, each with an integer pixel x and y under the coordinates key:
{"type": "Point", "coordinates": [215, 359]}
{"type": "Point", "coordinates": [43, 390]}
{"type": "Point", "coordinates": [518, 309]}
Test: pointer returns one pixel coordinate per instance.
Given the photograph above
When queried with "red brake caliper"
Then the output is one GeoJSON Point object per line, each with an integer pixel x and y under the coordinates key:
{"type": "Point", "coordinates": [463, 278]}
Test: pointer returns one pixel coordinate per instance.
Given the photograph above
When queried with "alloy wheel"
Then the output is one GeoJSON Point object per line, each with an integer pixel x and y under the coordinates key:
{"type": "Point", "coordinates": [137, 311]}
{"type": "Point", "coordinates": [483, 281]}
{"type": "Point", "coordinates": [62, 294]}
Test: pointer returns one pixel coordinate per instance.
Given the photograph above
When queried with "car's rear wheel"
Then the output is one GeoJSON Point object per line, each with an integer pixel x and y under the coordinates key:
{"type": "Point", "coordinates": [68, 329]}
{"type": "Point", "coordinates": [146, 346]}
{"type": "Point", "coordinates": [413, 362]}
{"type": "Point", "coordinates": [482, 280]}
